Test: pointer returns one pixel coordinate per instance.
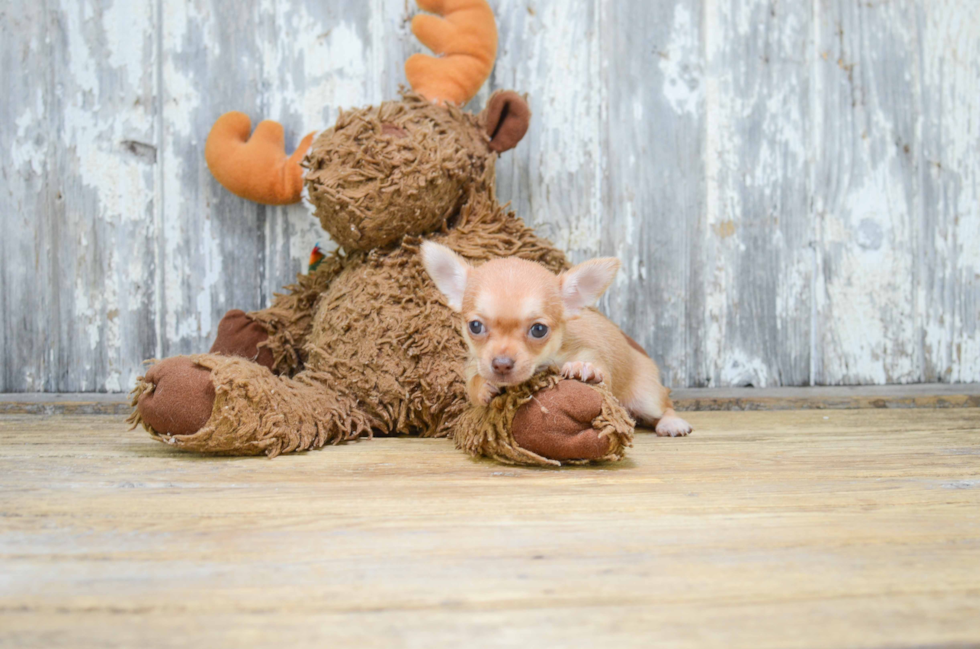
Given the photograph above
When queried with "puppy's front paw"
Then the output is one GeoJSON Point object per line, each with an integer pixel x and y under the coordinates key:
{"type": "Point", "coordinates": [585, 372]}
{"type": "Point", "coordinates": [672, 427]}
{"type": "Point", "coordinates": [486, 393]}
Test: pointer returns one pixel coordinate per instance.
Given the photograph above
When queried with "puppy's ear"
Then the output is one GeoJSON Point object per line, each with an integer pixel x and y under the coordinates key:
{"type": "Point", "coordinates": [448, 270]}
{"type": "Point", "coordinates": [582, 285]}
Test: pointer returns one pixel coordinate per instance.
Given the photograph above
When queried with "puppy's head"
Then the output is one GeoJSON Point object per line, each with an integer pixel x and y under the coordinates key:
{"type": "Point", "coordinates": [515, 310]}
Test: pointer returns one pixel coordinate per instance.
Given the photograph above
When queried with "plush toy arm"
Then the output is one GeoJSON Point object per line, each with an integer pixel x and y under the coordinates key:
{"type": "Point", "coordinates": [548, 421]}
{"type": "Point", "coordinates": [290, 316]}
{"type": "Point", "coordinates": [256, 167]}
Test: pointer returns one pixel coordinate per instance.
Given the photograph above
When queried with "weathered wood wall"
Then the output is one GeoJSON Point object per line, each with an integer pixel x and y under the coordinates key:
{"type": "Point", "coordinates": [793, 186]}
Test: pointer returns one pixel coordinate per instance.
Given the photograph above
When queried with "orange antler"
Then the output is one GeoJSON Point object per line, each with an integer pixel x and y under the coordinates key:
{"type": "Point", "coordinates": [255, 168]}
{"type": "Point", "coordinates": [465, 39]}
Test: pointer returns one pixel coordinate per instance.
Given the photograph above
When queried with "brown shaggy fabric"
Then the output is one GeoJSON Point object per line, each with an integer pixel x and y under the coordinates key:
{"type": "Point", "coordinates": [175, 397]}
{"type": "Point", "coordinates": [289, 318]}
{"type": "Point", "coordinates": [372, 185]}
{"type": "Point", "coordinates": [380, 334]}
{"type": "Point", "coordinates": [540, 420]}
{"type": "Point", "coordinates": [256, 412]}
{"type": "Point", "coordinates": [367, 339]}
{"type": "Point", "coordinates": [240, 335]}
{"type": "Point", "coordinates": [384, 322]}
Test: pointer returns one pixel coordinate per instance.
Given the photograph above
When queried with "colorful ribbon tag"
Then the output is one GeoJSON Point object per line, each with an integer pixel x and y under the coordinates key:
{"type": "Point", "coordinates": [316, 257]}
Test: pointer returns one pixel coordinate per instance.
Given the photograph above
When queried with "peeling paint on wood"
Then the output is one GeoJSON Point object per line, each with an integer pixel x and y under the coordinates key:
{"type": "Point", "coordinates": [948, 276]}
{"type": "Point", "coordinates": [865, 193]}
{"type": "Point", "coordinates": [653, 198]}
{"type": "Point", "coordinates": [792, 187]}
{"type": "Point", "coordinates": [754, 247]}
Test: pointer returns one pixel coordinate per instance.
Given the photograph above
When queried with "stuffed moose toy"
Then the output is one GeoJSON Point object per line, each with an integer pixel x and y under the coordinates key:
{"type": "Point", "coordinates": [365, 344]}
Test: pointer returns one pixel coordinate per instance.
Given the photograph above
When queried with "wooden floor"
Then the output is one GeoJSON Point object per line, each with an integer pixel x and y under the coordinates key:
{"type": "Point", "coordinates": [819, 528]}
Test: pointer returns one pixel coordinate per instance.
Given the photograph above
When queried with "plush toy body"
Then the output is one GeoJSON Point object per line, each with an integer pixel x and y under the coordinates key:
{"type": "Point", "coordinates": [365, 343]}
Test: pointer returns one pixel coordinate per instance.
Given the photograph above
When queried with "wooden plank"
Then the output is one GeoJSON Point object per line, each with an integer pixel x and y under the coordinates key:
{"type": "Point", "coordinates": [48, 403]}
{"type": "Point", "coordinates": [923, 395]}
{"type": "Point", "coordinates": [77, 133]}
{"type": "Point", "coordinates": [553, 178]}
{"type": "Point", "coordinates": [807, 529]}
{"type": "Point", "coordinates": [754, 244]}
{"type": "Point", "coordinates": [950, 174]}
{"type": "Point", "coordinates": [830, 397]}
{"type": "Point", "coordinates": [210, 246]}
{"type": "Point", "coordinates": [865, 193]}
{"type": "Point", "coordinates": [394, 42]}
{"type": "Point", "coordinates": [22, 129]}
{"type": "Point", "coordinates": [653, 68]}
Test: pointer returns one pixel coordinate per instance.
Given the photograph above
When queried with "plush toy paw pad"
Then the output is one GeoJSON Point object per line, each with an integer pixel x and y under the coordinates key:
{"type": "Point", "coordinates": [557, 423]}
{"type": "Point", "coordinates": [239, 335]}
{"type": "Point", "coordinates": [672, 427]}
{"type": "Point", "coordinates": [586, 372]}
{"type": "Point", "coordinates": [180, 401]}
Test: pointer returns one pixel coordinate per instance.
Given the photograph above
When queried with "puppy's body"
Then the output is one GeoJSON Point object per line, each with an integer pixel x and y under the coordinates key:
{"type": "Point", "coordinates": [593, 338]}
{"type": "Point", "coordinates": [519, 318]}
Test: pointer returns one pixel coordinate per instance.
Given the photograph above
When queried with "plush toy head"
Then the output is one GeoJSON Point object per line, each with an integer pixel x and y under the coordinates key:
{"type": "Point", "coordinates": [404, 167]}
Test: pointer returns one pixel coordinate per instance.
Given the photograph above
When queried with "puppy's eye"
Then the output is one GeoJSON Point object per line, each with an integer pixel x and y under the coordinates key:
{"type": "Point", "coordinates": [538, 330]}
{"type": "Point", "coordinates": [476, 327]}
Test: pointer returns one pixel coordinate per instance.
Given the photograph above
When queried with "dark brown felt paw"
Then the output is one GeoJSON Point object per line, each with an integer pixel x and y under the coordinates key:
{"type": "Point", "coordinates": [557, 423]}
{"type": "Point", "coordinates": [181, 399]}
{"type": "Point", "coordinates": [239, 335]}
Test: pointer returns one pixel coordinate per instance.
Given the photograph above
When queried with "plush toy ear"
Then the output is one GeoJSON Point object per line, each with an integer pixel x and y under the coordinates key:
{"type": "Point", "coordinates": [448, 270]}
{"type": "Point", "coordinates": [582, 285]}
{"type": "Point", "coordinates": [507, 117]}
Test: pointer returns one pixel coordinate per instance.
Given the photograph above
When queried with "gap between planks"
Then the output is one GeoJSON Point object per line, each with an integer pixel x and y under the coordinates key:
{"type": "Point", "coordinates": [925, 395]}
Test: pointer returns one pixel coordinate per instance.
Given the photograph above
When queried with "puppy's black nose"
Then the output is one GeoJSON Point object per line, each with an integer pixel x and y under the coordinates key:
{"type": "Point", "coordinates": [502, 364]}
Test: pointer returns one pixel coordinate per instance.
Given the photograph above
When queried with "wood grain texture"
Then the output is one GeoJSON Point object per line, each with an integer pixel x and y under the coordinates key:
{"type": "Point", "coordinates": [922, 395]}
{"type": "Point", "coordinates": [804, 529]}
{"type": "Point", "coordinates": [754, 245]}
{"type": "Point", "coordinates": [865, 194]}
{"type": "Point", "coordinates": [792, 186]}
{"type": "Point", "coordinates": [653, 194]}
{"type": "Point", "coordinates": [78, 195]}
{"type": "Point", "coordinates": [949, 270]}
{"type": "Point", "coordinates": [930, 395]}
{"type": "Point", "coordinates": [210, 243]}
{"type": "Point", "coordinates": [553, 178]}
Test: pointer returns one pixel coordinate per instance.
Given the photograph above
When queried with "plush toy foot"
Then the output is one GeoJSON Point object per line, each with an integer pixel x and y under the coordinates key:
{"type": "Point", "coordinates": [557, 423]}
{"type": "Point", "coordinates": [179, 399]}
{"type": "Point", "coordinates": [226, 405]}
{"type": "Point", "coordinates": [239, 335]}
{"type": "Point", "coordinates": [548, 421]}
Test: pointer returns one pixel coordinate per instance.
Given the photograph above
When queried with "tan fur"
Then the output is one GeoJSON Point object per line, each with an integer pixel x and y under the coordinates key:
{"type": "Point", "coordinates": [510, 296]}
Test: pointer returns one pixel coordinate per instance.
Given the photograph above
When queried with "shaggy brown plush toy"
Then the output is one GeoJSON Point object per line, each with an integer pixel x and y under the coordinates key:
{"type": "Point", "coordinates": [365, 343]}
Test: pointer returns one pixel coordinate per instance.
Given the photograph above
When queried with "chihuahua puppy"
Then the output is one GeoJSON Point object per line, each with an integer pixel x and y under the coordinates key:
{"type": "Point", "coordinates": [519, 318]}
